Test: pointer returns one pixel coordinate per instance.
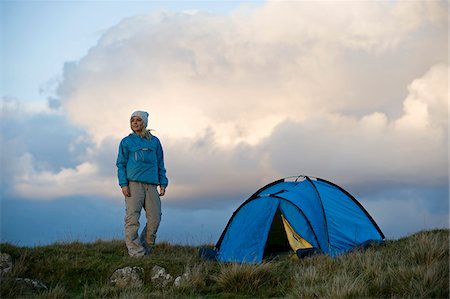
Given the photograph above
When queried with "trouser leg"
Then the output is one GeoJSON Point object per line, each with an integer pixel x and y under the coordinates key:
{"type": "Point", "coordinates": [133, 207]}
{"type": "Point", "coordinates": [152, 208]}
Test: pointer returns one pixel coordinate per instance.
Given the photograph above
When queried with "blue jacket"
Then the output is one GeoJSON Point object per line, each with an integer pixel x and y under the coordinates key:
{"type": "Point", "coordinates": [141, 160]}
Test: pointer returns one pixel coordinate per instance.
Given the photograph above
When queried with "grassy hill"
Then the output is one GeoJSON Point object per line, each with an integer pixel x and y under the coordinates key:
{"type": "Point", "coordinates": [416, 267]}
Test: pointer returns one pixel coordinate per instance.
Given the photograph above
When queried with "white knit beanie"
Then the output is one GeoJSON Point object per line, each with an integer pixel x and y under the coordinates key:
{"type": "Point", "coordinates": [143, 115]}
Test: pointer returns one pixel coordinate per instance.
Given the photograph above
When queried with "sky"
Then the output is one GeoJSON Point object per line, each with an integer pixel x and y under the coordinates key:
{"type": "Point", "coordinates": [239, 93]}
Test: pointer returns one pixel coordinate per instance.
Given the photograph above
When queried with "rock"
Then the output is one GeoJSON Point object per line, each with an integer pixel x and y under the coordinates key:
{"type": "Point", "coordinates": [177, 282]}
{"type": "Point", "coordinates": [160, 277]}
{"type": "Point", "coordinates": [128, 277]}
{"type": "Point", "coordinates": [5, 264]}
{"type": "Point", "coordinates": [33, 284]}
{"type": "Point", "coordinates": [181, 279]}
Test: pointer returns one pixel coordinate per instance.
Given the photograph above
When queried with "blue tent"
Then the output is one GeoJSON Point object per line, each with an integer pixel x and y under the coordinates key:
{"type": "Point", "coordinates": [300, 214]}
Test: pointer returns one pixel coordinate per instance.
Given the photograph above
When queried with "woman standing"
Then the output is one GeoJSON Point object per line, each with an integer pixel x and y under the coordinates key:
{"type": "Point", "coordinates": [140, 170]}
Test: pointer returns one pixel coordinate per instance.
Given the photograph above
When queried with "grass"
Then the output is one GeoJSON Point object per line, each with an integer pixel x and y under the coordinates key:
{"type": "Point", "coordinates": [413, 267]}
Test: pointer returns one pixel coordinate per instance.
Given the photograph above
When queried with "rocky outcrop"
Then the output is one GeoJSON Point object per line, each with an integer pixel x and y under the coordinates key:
{"type": "Point", "coordinates": [160, 277]}
{"type": "Point", "coordinates": [180, 280]}
{"type": "Point", "coordinates": [128, 277]}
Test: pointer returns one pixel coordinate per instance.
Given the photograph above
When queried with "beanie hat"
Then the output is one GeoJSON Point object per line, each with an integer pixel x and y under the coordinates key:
{"type": "Point", "coordinates": [143, 115]}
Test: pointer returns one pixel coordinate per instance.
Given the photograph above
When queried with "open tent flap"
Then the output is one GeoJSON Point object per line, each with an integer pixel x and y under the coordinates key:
{"type": "Point", "coordinates": [295, 241]}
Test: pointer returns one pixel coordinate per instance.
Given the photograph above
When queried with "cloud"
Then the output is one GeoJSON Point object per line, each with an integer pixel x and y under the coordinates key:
{"type": "Point", "coordinates": [427, 103]}
{"type": "Point", "coordinates": [353, 92]}
{"type": "Point", "coordinates": [82, 180]}
{"type": "Point", "coordinates": [412, 148]}
{"type": "Point", "coordinates": [34, 142]}
{"type": "Point", "coordinates": [245, 73]}
{"type": "Point", "coordinates": [351, 25]}
{"type": "Point", "coordinates": [321, 88]}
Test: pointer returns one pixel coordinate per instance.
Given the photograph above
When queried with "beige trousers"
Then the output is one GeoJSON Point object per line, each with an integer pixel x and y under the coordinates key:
{"type": "Point", "coordinates": [142, 196]}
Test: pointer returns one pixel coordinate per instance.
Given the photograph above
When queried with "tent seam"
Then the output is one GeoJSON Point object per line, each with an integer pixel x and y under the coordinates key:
{"type": "Point", "coordinates": [323, 210]}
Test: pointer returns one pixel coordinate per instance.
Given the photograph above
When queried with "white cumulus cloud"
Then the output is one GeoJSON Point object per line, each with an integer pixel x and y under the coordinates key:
{"type": "Point", "coordinates": [352, 91]}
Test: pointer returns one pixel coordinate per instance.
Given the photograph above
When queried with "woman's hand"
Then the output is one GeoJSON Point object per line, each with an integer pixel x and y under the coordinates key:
{"type": "Point", "coordinates": [126, 191]}
{"type": "Point", "coordinates": [162, 190]}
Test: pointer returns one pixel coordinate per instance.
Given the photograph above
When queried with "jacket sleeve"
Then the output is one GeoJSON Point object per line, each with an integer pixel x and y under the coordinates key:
{"type": "Point", "coordinates": [121, 163]}
{"type": "Point", "coordinates": [163, 181]}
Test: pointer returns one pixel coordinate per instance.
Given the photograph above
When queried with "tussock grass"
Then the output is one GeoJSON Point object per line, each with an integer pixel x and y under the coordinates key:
{"type": "Point", "coordinates": [413, 267]}
{"type": "Point", "coordinates": [251, 279]}
{"type": "Point", "coordinates": [200, 280]}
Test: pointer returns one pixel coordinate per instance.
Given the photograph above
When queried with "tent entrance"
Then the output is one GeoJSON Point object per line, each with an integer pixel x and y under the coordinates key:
{"type": "Point", "coordinates": [277, 241]}
{"type": "Point", "coordinates": [282, 238]}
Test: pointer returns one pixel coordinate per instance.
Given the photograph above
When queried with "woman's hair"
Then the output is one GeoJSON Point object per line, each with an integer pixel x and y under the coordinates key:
{"type": "Point", "coordinates": [144, 133]}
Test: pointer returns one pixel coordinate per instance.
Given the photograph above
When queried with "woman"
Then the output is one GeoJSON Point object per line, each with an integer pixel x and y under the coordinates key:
{"type": "Point", "coordinates": [140, 169]}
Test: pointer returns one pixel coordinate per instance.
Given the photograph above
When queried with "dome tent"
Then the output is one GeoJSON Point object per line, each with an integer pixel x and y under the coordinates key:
{"type": "Point", "coordinates": [302, 214]}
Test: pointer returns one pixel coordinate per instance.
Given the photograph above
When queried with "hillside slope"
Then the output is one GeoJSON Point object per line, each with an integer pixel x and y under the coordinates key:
{"type": "Point", "coordinates": [416, 266]}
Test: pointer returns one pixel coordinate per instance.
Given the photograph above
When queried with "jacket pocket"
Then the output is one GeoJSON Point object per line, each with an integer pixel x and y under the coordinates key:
{"type": "Point", "coordinates": [145, 154]}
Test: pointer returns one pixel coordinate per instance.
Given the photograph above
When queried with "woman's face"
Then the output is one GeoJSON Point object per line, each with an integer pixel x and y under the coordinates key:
{"type": "Point", "coordinates": [137, 124]}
